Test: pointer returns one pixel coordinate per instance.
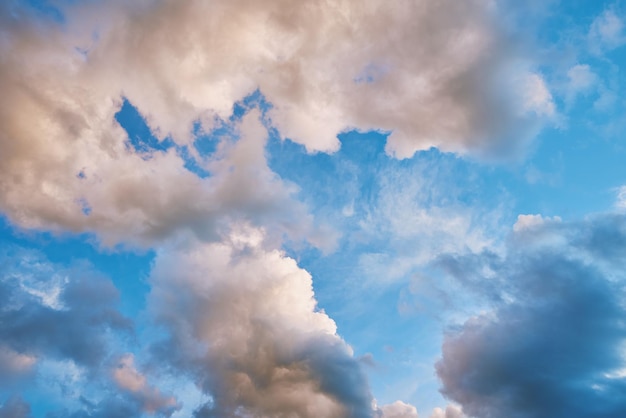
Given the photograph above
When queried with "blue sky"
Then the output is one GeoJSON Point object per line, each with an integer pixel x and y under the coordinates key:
{"type": "Point", "coordinates": [339, 209]}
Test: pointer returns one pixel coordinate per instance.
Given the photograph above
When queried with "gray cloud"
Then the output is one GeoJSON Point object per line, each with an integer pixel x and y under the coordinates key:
{"type": "Point", "coordinates": [553, 344]}
{"type": "Point", "coordinates": [61, 324]}
{"type": "Point", "coordinates": [52, 311]}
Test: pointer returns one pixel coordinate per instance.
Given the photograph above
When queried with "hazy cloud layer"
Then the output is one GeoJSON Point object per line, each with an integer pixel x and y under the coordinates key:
{"type": "Point", "coordinates": [553, 344]}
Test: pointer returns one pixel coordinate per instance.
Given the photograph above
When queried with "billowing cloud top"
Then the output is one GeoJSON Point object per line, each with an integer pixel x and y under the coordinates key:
{"type": "Point", "coordinates": [432, 74]}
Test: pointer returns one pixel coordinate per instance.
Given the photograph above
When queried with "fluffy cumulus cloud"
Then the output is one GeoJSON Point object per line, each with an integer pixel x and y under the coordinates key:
{"type": "Point", "coordinates": [398, 409]}
{"type": "Point", "coordinates": [553, 342]}
{"type": "Point", "coordinates": [245, 326]}
{"type": "Point", "coordinates": [450, 411]}
{"type": "Point", "coordinates": [127, 196]}
{"type": "Point", "coordinates": [433, 74]}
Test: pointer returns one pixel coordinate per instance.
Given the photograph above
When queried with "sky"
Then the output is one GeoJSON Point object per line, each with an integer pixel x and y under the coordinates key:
{"type": "Point", "coordinates": [304, 209]}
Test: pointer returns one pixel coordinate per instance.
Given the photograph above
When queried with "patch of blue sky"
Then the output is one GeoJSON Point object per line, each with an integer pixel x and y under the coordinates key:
{"type": "Point", "coordinates": [205, 142]}
{"type": "Point", "coordinates": [41, 9]}
{"type": "Point", "coordinates": [127, 269]}
{"type": "Point", "coordinates": [140, 136]}
{"type": "Point", "coordinates": [256, 99]}
{"type": "Point", "coordinates": [347, 189]}
{"type": "Point", "coordinates": [143, 141]}
{"type": "Point", "coordinates": [344, 188]}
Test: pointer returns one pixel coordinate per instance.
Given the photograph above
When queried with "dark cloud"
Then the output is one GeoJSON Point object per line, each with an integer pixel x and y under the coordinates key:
{"type": "Point", "coordinates": [56, 312]}
{"type": "Point", "coordinates": [553, 344]}
{"type": "Point", "coordinates": [52, 312]}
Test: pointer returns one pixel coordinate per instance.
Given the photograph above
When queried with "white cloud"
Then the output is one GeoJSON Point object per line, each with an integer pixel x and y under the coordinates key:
{"type": "Point", "coordinates": [537, 97]}
{"type": "Point", "coordinates": [398, 409]}
{"type": "Point", "coordinates": [443, 77]}
{"type": "Point", "coordinates": [581, 77]}
{"type": "Point", "coordinates": [451, 411]}
{"type": "Point", "coordinates": [129, 379]}
{"type": "Point", "coordinates": [530, 222]}
{"type": "Point", "coordinates": [416, 214]}
{"type": "Point", "coordinates": [580, 80]}
{"type": "Point", "coordinates": [620, 201]}
{"type": "Point", "coordinates": [607, 31]}
{"type": "Point", "coordinates": [143, 198]}
{"type": "Point", "coordinates": [244, 323]}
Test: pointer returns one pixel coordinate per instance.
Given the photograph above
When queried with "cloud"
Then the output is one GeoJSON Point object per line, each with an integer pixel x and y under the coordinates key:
{"type": "Point", "coordinates": [553, 340]}
{"type": "Point", "coordinates": [620, 202]}
{"type": "Point", "coordinates": [407, 215]}
{"type": "Point", "coordinates": [66, 346]}
{"type": "Point", "coordinates": [242, 315]}
{"type": "Point", "coordinates": [533, 222]}
{"type": "Point", "coordinates": [580, 80]}
{"type": "Point", "coordinates": [110, 407]}
{"type": "Point", "coordinates": [432, 74]}
{"type": "Point", "coordinates": [244, 325]}
{"type": "Point", "coordinates": [325, 67]}
{"type": "Point", "coordinates": [75, 330]}
{"type": "Point", "coordinates": [398, 409]}
{"type": "Point", "coordinates": [142, 198]}
{"type": "Point", "coordinates": [451, 411]}
{"type": "Point", "coordinates": [14, 365]}
{"type": "Point", "coordinates": [15, 407]}
{"type": "Point", "coordinates": [607, 31]}
{"type": "Point", "coordinates": [130, 380]}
